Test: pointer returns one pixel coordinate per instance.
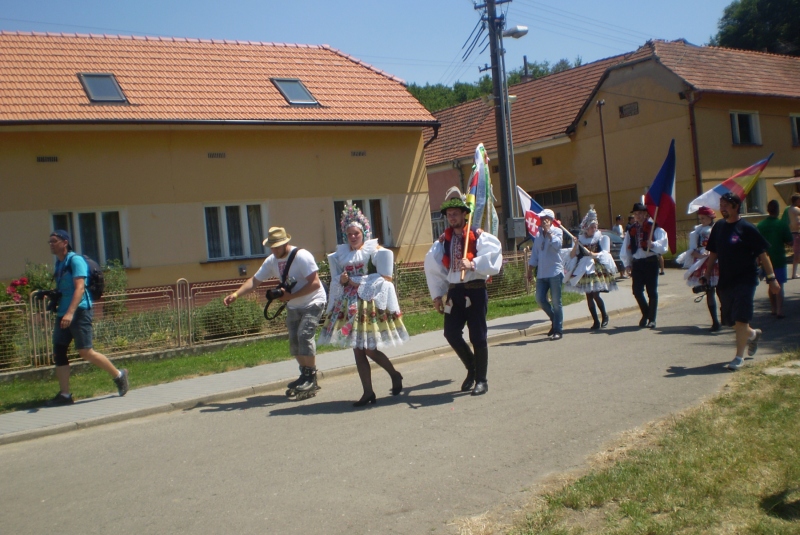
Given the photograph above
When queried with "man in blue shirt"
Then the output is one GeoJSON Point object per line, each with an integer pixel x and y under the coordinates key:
{"type": "Point", "coordinates": [74, 319]}
{"type": "Point", "coordinates": [546, 258]}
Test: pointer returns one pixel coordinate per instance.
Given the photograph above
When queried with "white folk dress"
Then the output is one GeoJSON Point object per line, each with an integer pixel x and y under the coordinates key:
{"type": "Point", "coordinates": [696, 268]}
{"type": "Point", "coordinates": [587, 274]}
{"type": "Point", "coordinates": [366, 316]}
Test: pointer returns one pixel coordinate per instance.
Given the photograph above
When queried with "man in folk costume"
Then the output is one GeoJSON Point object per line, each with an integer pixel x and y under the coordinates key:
{"type": "Point", "coordinates": [463, 300]}
{"type": "Point", "coordinates": [640, 249]}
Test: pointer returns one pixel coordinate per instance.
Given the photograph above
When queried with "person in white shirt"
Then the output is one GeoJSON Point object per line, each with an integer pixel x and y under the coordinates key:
{"type": "Point", "coordinates": [305, 302]}
{"type": "Point", "coordinates": [639, 255]}
{"type": "Point", "coordinates": [464, 301]}
{"type": "Point", "coordinates": [548, 261]}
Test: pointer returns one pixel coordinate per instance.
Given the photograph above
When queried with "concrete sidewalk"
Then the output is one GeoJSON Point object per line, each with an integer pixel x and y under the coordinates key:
{"type": "Point", "coordinates": [178, 395]}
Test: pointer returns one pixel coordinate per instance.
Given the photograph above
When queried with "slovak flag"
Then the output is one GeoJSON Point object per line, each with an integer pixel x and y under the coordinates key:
{"type": "Point", "coordinates": [660, 198]}
{"type": "Point", "coordinates": [531, 209]}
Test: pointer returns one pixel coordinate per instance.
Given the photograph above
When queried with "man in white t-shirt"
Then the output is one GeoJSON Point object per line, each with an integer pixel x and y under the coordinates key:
{"type": "Point", "coordinates": [305, 303]}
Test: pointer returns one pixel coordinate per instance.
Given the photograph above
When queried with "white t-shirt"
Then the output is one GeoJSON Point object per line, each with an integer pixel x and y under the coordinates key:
{"type": "Point", "coordinates": [302, 266]}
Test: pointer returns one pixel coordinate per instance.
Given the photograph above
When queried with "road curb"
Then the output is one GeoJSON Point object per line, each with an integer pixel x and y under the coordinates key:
{"type": "Point", "coordinates": [21, 436]}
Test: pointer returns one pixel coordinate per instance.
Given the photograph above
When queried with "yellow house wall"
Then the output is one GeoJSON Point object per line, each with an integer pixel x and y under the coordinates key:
{"type": "Point", "coordinates": [161, 178]}
{"type": "Point", "coordinates": [721, 159]}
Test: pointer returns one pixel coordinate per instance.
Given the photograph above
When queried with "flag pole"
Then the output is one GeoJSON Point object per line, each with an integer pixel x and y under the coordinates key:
{"type": "Point", "coordinates": [652, 229]}
{"type": "Point", "coordinates": [466, 243]}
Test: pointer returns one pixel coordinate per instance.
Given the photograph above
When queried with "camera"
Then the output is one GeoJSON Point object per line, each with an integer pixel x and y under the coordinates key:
{"type": "Point", "coordinates": [700, 289]}
{"type": "Point", "coordinates": [276, 293]}
{"type": "Point", "coordinates": [53, 296]}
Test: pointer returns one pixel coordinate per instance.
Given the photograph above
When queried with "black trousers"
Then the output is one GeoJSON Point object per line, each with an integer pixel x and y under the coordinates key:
{"type": "Point", "coordinates": [644, 275]}
{"type": "Point", "coordinates": [473, 316]}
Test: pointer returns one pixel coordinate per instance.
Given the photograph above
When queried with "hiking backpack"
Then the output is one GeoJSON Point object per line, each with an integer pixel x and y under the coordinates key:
{"type": "Point", "coordinates": [95, 281]}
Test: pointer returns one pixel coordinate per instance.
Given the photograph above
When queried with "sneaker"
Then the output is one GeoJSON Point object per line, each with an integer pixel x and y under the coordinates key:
{"type": "Point", "coordinates": [556, 336]}
{"type": "Point", "coordinates": [122, 383]}
{"type": "Point", "coordinates": [752, 345]}
{"type": "Point", "coordinates": [651, 324]}
{"type": "Point", "coordinates": [60, 400]}
{"type": "Point", "coordinates": [735, 364]}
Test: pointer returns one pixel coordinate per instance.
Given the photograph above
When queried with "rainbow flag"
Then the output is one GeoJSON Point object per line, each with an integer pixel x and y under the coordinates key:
{"type": "Point", "coordinates": [739, 184]}
{"type": "Point", "coordinates": [480, 198]}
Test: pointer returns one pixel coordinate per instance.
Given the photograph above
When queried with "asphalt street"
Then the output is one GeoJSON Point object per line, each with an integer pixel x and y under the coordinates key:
{"type": "Point", "coordinates": [414, 463]}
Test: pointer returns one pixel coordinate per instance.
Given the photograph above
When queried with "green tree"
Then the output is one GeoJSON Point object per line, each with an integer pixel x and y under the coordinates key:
{"type": "Point", "coordinates": [763, 25]}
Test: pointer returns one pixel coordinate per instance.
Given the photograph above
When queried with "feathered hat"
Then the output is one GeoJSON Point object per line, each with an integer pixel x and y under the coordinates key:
{"type": "Point", "coordinates": [454, 199]}
{"type": "Point", "coordinates": [352, 217]}
{"type": "Point", "coordinates": [589, 218]}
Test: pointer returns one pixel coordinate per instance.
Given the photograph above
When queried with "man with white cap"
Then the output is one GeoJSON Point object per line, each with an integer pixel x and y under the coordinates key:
{"type": "Point", "coordinates": [546, 259]}
{"type": "Point", "coordinates": [305, 300]}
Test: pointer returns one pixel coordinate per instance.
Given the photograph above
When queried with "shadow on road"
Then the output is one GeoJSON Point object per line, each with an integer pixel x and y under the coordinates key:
{"type": "Point", "coordinates": [708, 369]}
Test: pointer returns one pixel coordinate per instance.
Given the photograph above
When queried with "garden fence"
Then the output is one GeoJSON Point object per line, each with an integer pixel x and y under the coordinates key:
{"type": "Point", "coordinates": [187, 314]}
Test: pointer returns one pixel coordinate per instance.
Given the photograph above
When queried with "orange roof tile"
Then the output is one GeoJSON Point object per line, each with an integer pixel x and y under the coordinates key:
{"type": "Point", "coordinates": [190, 80]}
{"type": "Point", "coordinates": [548, 106]}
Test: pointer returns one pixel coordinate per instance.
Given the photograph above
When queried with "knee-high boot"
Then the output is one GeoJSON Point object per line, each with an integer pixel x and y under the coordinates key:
{"type": "Point", "coordinates": [711, 301]}
{"type": "Point", "coordinates": [602, 306]}
{"type": "Point", "coordinates": [481, 366]}
{"type": "Point", "coordinates": [468, 358]}
{"type": "Point", "coordinates": [592, 311]}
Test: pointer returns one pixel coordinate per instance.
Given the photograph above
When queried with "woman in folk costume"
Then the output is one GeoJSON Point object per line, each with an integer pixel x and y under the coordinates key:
{"type": "Point", "coordinates": [697, 275]}
{"type": "Point", "coordinates": [363, 311]}
{"type": "Point", "coordinates": [591, 269]}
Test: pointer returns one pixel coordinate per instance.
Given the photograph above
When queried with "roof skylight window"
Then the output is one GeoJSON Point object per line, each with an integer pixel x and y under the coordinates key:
{"type": "Point", "coordinates": [102, 87]}
{"type": "Point", "coordinates": [294, 91]}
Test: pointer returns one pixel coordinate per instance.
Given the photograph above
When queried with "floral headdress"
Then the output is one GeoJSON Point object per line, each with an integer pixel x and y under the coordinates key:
{"type": "Point", "coordinates": [589, 218]}
{"type": "Point", "coordinates": [352, 217]}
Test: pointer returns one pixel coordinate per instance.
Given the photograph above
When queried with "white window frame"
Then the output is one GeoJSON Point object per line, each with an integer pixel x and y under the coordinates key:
{"type": "Point", "coordinates": [794, 119]}
{"type": "Point", "coordinates": [438, 224]}
{"type": "Point", "coordinates": [386, 239]}
{"type": "Point", "coordinates": [758, 193]}
{"type": "Point", "coordinates": [755, 127]}
{"type": "Point", "coordinates": [75, 231]}
{"type": "Point", "coordinates": [223, 225]}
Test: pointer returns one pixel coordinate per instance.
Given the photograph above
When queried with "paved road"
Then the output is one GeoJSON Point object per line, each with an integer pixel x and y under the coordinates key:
{"type": "Point", "coordinates": [411, 464]}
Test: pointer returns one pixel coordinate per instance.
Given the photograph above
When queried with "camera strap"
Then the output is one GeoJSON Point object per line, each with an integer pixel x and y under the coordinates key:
{"type": "Point", "coordinates": [284, 275]}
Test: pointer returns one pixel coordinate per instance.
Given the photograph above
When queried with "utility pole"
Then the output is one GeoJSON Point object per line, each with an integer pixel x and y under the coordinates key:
{"type": "Point", "coordinates": [600, 104]}
{"type": "Point", "coordinates": [496, 25]}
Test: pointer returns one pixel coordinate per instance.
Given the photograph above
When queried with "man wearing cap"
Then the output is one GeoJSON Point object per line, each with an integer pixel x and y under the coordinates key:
{"type": "Point", "coordinates": [737, 245]}
{"type": "Point", "coordinates": [464, 301]}
{"type": "Point", "coordinates": [74, 319]}
{"type": "Point", "coordinates": [546, 259]}
{"type": "Point", "coordinates": [641, 248]}
{"type": "Point", "coordinates": [305, 302]}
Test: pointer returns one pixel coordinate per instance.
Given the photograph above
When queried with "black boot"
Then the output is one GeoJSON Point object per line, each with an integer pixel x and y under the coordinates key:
{"type": "Point", "coordinates": [602, 306]}
{"type": "Point", "coordinates": [711, 301]}
{"type": "Point", "coordinates": [593, 312]}
{"type": "Point", "coordinates": [481, 366]}
{"type": "Point", "coordinates": [468, 359]}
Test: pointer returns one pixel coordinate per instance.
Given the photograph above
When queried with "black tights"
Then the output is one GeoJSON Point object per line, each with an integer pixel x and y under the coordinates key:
{"type": "Point", "coordinates": [591, 299]}
{"type": "Point", "coordinates": [364, 370]}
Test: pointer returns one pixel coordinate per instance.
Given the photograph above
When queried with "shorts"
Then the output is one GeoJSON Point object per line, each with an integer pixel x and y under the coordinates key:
{"type": "Point", "coordinates": [796, 244]}
{"type": "Point", "coordinates": [780, 274]}
{"type": "Point", "coordinates": [79, 330]}
{"type": "Point", "coordinates": [302, 325]}
{"type": "Point", "coordinates": [736, 303]}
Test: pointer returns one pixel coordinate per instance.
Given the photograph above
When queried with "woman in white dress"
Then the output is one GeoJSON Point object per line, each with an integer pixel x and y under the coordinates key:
{"type": "Point", "coordinates": [363, 310]}
{"type": "Point", "coordinates": [591, 269]}
{"type": "Point", "coordinates": [697, 276]}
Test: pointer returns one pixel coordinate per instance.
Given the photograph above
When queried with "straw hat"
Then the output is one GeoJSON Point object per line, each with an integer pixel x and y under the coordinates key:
{"type": "Point", "coordinates": [276, 237]}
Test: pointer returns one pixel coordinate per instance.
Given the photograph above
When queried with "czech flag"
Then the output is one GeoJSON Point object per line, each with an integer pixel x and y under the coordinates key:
{"type": "Point", "coordinates": [660, 198]}
{"type": "Point", "coordinates": [739, 184]}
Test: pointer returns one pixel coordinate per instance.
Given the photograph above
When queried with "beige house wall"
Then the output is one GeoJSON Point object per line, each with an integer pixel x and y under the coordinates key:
{"type": "Point", "coordinates": [160, 179]}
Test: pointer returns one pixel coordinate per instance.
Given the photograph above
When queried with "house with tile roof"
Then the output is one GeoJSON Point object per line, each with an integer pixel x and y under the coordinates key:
{"type": "Point", "coordinates": [726, 109]}
{"type": "Point", "coordinates": [174, 156]}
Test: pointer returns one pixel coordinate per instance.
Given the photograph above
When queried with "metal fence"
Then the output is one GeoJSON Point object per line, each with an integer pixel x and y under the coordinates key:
{"type": "Point", "coordinates": [186, 314]}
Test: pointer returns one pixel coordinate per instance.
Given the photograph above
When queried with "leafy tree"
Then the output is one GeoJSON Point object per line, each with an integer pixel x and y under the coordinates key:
{"type": "Point", "coordinates": [437, 97]}
{"type": "Point", "coordinates": [763, 25]}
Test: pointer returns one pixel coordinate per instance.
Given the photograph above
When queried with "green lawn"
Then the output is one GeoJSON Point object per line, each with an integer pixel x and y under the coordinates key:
{"type": "Point", "coordinates": [25, 394]}
{"type": "Point", "coordinates": [730, 466]}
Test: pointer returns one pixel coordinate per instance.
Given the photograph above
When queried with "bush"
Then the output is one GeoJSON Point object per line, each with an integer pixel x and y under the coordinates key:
{"type": "Point", "coordinates": [215, 320]}
{"type": "Point", "coordinates": [114, 297]}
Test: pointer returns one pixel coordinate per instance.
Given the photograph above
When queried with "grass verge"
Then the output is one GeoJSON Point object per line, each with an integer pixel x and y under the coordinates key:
{"type": "Point", "coordinates": [731, 465]}
{"type": "Point", "coordinates": [25, 394]}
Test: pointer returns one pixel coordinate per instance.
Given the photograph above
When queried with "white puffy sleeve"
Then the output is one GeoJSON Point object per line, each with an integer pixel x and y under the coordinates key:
{"type": "Point", "coordinates": [660, 242]}
{"type": "Point", "coordinates": [605, 244]}
{"type": "Point", "coordinates": [383, 260]}
{"type": "Point", "coordinates": [336, 289]}
{"type": "Point", "coordinates": [489, 259]}
{"type": "Point", "coordinates": [693, 238]}
{"type": "Point", "coordinates": [625, 252]}
{"type": "Point", "coordinates": [435, 272]}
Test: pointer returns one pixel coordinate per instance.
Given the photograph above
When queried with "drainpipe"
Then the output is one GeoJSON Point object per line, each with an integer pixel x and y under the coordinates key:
{"type": "Point", "coordinates": [600, 104]}
{"type": "Point", "coordinates": [435, 135]}
{"type": "Point", "coordinates": [693, 97]}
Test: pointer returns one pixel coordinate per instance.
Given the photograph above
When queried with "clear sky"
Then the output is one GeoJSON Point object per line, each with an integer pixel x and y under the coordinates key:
{"type": "Point", "coordinates": [419, 41]}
